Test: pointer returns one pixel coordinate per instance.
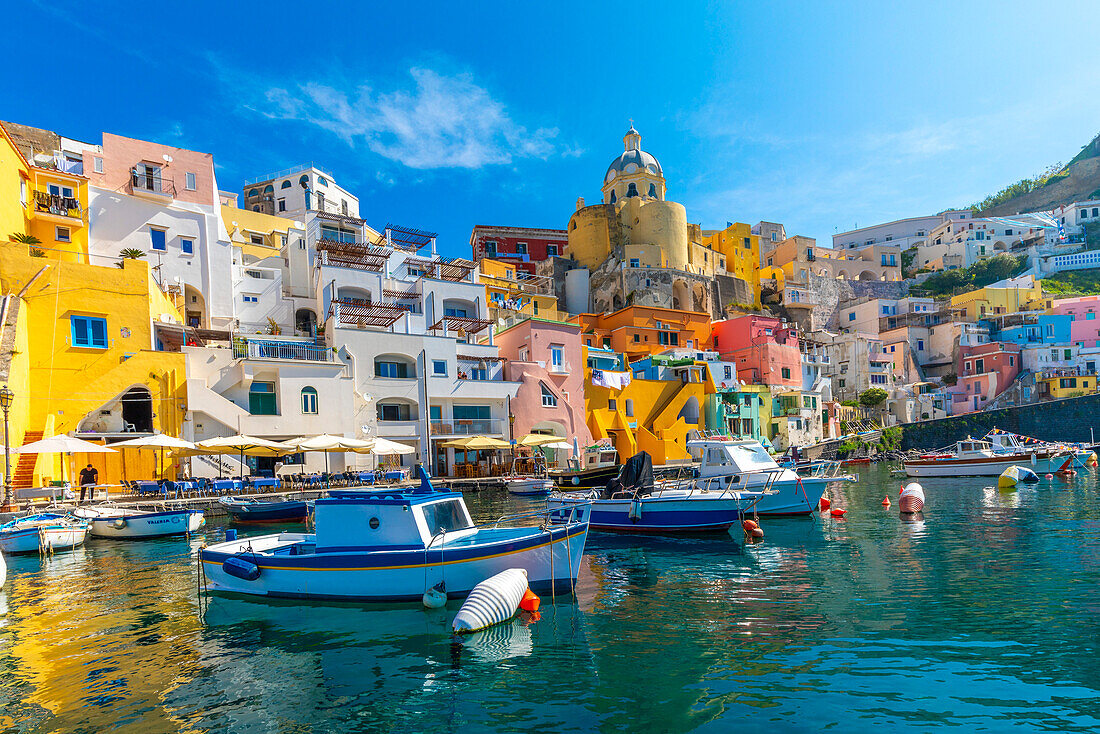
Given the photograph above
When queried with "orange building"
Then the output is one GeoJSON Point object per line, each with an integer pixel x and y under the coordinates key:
{"type": "Point", "coordinates": [639, 331]}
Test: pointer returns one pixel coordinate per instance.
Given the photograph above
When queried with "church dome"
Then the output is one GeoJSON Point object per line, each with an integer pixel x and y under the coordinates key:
{"type": "Point", "coordinates": [633, 159]}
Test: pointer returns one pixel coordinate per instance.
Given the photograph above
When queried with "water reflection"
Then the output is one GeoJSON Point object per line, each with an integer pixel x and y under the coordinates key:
{"type": "Point", "coordinates": [982, 614]}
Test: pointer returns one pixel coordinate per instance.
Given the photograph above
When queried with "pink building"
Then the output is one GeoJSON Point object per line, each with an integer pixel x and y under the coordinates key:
{"type": "Point", "coordinates": [545, 356]}
{"type": "Point", "coordinates": [764, 348]}
{"type": "Point", "coordinates": [1084, 329]}
{"type": "Point", "coordinates": [985, 371]}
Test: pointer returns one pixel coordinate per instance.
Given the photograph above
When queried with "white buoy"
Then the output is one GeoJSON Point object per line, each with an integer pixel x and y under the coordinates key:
{"type": "Point", "coordinates": [912, 498]}
{"type": "Point", "coordinates": [494, 600]}
{"type": "Point", "coordinates": [436, 597]}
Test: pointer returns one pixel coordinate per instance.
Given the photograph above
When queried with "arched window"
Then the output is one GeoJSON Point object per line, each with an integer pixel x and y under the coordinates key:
{"type": "Point", "coordinates": [549, 400]}
{"type": "Point", "coordinates": [321, 181]}
{"type": "Point", "coordinates": [653, 190]}
{"type": "Point", "coordinates": [309, 401]}
{"type": "Point", "coordinates": [304, 181]}
{"type": "Point", "coordinates": [256, 208]}
{"type": "Point", "coordinates": [632, 190]}
{"type": "Point", "coordinates": [286, 184]}
{"type": "Point", "coordinates": [269, 189]}
{"type": "Point", "coordinates": [612, 196]}
{"type": "Point", "coordinates": [253, 192]}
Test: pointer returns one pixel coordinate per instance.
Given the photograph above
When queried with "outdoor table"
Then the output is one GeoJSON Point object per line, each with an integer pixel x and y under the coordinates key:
{"type": "Point", "coordinates": [365, 477]}
{"type": "Point", "coordinates": [261, 482]}
{"type": "Point", "coordinates": [148, 488]}
{"type": "Point", "coordinates": [188, 485]}
{"type": "Point", "coordinates": [395, 476]}
{"type": "Point", "coordinates": [227, 485]}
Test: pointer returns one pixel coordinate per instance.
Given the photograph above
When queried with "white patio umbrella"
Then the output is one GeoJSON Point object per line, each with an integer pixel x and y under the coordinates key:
{"type": "Point", "coordinates": [330, 444]}
{"type": "Point", "coordinates": [63, 444]}
{"type": "Point", "coordinates": [557, 445]}
{"type": "Point", "coordinates": [386, 447]}
{"type": "Point", "coordinates": [157, 442]}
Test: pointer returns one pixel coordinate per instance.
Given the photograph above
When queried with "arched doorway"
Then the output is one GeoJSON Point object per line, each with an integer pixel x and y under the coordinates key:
{"type": "Point", "coordinates": [194, 307]}
{"type": "Point", "coordinates": [681, 295]}
{"type": "Point", "coordinates": [305, 322]}
{"type": "Point", "coordinates": [137, 410]}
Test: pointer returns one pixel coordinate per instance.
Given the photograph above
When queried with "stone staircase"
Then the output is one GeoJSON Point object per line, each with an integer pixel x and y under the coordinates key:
{"type": "Point", "coordinates": [23, 478]}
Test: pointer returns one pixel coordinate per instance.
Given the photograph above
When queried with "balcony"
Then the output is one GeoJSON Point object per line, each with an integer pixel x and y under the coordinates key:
{"type": "Point", "coordinates": [65, 209]}
{"type": "Point", "coordinates": [151, 186]}
{"type": "Point", "coordinates": [264, 349]}
{"type": "Point", "coordinates": [477, 427]}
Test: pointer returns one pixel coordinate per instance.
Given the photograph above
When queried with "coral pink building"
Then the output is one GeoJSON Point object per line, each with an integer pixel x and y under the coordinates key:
{"type": "Point", "coordinates": [1085, 327]}
{"type": "Point", "coordinates": [985, 371]}
{"type": "Point", "coordinates": [764, 348]}
{"type": "Point", "coordinates": [545, 356]}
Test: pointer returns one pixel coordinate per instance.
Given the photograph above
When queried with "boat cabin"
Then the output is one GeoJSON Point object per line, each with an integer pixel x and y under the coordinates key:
{"type": "Point", "coordinates": [1006, 442]}
{"type": "Point", "coordinates": [376, 520]}
{"type": "Point", "coordinates": [972, 447]}
{"type": "Point", "coordinates": [725, 457]}
{"type": "Point", "coordinates": [595, 457]}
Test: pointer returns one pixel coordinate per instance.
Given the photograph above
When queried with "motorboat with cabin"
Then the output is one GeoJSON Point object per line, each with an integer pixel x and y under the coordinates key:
{"type": "Point", "coordinates": [253, 511]}
{"type": "Point", "coordinates": [42, 533]}
{"type": "Point", "coordinates": [111, 521]}
{"type": "Point", "coordinates": [633, 503]}
{"type": "Point", "coordinates": [976, 458]}
{"type": "Point", "coordinates": [393, 545]}
{"type": "Point", "coordinates": [1011, 443]}
{"type": "Point", "coordinates": [744, 464]}
{"type": "Point", "coordinates": [597, 466]}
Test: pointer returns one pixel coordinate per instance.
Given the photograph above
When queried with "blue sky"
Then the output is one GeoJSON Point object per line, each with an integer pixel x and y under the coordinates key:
{"type": "Point", "coordinates": [444, 116]}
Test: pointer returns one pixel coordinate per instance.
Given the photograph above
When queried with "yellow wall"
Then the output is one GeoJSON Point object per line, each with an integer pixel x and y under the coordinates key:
{"type": "Point", "coordinates": [648, 256]}
{"type": "Point", "coordinates": [13, 170]}
{"type": "Point", "coordinates": [270, 226]}
{"type": "Point", "coordinates": [1085, 384]}
{"type": "Point", "coordinates": [591, 231]}
{"type": "Point", "coordinates": [57, 385]}
{"type": "Point", "coordinates": [500, 280]}
{"type": "Point", "coordinates": [741, 261]}
{"type": "Point", "coordinates": [44, 224]}
{"type": "Point", "coordinates": [1010, 300]}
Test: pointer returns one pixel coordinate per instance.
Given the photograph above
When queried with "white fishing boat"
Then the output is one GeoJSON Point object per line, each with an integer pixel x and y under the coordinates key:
{"type": "Point", "coordinates": [111, 521]}
{"type": "Point", "coordinates": [745, 465]}
{"type": "Point", "coordinates": [973, 458]}
{"type": "Point", "coordinates": [529, 486]}
{"type": "Point", "coordinates": [388, 545]}
{"type": "Point", "coordinates": [1004, 442]}
{"type": "Point", "coordinates": [44, 532]}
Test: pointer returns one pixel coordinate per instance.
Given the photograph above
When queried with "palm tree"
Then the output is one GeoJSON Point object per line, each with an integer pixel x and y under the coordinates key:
{"type": "Point", "coordinates": [28, 239]}
{"type": "Point", "coordinates": [129, 253]}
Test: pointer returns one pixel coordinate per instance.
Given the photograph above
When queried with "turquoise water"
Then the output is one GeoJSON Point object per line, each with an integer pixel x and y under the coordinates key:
{"type": "Point", "coordinates": [984, 617]}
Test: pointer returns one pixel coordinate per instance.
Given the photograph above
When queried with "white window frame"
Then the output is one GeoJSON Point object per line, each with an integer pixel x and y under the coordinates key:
{"type": "Point", "coordinates": [97, 164]}
{"type": "Point", "coordinates": [549, 399]}
{"type": "Point", "coordinates": [312, 398]}
{"type": "Point", "coordinates": [57, 230]}
{"type": "Point", "coordinates": [557, 357]}
{"type": "Point", "coordinates": [190, 181]}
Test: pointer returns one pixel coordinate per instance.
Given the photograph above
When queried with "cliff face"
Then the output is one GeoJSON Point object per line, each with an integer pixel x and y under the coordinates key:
{"type": "Point", "coordinates": [1078, 181]}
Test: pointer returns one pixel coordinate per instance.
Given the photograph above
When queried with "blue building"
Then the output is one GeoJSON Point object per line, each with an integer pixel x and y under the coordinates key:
{"type": "Point", "coordinates": [1029, 328]}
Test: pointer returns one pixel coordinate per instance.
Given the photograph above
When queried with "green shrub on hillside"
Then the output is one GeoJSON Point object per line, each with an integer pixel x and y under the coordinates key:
{"type": "Point", "coordinates": [1083, 282]}
{"type": "Point", "coordinates": [1021, 187]}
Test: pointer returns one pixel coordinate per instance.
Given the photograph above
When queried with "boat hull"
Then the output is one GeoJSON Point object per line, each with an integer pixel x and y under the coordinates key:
{"type": "Point", "coordinates": [552, 559]}
{"type": "Point", "coordinates": [529, 487]}
{"type": "Point", "coordinates": [150, 525]}
{"type": "Point", "coordinates": [261, 513]}
{"type": "Point", "coordinates": [38, 539]}
{"type": "Point", "coordinates": [988, 467]}
{"type": "Point", "coordinates": [655, 514]}
{"type": "Point", "coordinates": [598, 477]}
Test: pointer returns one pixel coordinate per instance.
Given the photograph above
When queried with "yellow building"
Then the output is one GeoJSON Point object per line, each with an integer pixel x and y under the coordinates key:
{"type": "Point", "coordinates": [654, 416]}
{"type": "Point", "coordinates": [1055, 387]}
{"type": "Point", "coordinates": [513, 295]}
{"type": "Point", "coordinates": [78, 347]}
{"type": "Point", "coordinates": [42, 201]}
{"type": "Point", "coordinates": [740, 249]}
{"type": "Point", "coordinates": [990, 301]}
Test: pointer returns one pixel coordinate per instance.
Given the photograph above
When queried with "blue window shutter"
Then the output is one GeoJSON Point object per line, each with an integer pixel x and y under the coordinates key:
{"type": "Point", "coordinates": [80, 331]}
{"type": "Point", "coordinates": [98, 328]}
{"type": "Point", "coordinates": [158, 239]}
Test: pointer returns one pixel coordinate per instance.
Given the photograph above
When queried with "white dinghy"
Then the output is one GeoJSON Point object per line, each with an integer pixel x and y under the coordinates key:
{"type": "Point", "coordinates": [110, 521]}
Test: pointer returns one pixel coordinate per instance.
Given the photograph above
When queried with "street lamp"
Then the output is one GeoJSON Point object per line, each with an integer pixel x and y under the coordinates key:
{"type": "Point", "coordinates": [6, 396]}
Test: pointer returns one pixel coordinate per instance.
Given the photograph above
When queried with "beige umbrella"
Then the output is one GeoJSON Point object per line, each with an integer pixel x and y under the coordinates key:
{"type": "Point", "coordinates": [477, 443]}
{"type": "Point", "coordinates": [536, 439]}
{"type": "Point", "coordinates": [157, 442]}
{"type": "Point", "coordinates": [386, 447]}
{"type": "Point", "coordinates": [250, 445]}
{"type": "Point", "coordinates": [330, 444]}
{"type": "Point", "coordinates": [63, 444]}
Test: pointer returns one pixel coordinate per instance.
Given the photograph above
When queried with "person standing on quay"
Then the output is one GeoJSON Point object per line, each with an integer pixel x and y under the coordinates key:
{"type": "Point", "coordinates": [89, 477]}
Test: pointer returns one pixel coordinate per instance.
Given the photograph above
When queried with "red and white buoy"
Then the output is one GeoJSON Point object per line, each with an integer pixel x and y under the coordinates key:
{"type": "Point", "coordinates": [912, 498]}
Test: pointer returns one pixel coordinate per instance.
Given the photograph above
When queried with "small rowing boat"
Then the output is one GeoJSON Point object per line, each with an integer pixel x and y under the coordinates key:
{"type": "Point", "coordinates": [247, 511]}
{"type": "Point", "coordinates": [47, 531]}
{"type": "Point", "coordinates": [108, 521]}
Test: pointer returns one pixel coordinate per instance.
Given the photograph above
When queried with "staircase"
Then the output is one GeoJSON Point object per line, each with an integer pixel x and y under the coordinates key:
{"type": "Point", "coordinates": [24, 469]}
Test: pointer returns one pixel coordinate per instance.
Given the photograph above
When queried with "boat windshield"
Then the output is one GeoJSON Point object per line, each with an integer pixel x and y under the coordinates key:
{"type": "Point", "coordinates": [445, 516]}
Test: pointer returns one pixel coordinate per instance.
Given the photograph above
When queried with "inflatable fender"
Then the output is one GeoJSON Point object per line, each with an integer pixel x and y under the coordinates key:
{"type": "Point", "coordinates": [494, 600]}
{"type": "Point", "coordinates": [240, 568]}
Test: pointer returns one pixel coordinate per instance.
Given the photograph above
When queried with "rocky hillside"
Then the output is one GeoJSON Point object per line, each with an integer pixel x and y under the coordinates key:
{"type": "Point", "coordinates": [1080, 179]}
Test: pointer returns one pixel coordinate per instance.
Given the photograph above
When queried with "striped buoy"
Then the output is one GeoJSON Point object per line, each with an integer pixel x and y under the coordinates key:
{"type": "Point", "coordinates": [493, 601]}
{"type": "Point", "coordinates": [912, 498]}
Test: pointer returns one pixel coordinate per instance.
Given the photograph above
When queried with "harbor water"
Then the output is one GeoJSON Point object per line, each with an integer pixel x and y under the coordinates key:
{"type": "Point", "coordinates": [983, 616]}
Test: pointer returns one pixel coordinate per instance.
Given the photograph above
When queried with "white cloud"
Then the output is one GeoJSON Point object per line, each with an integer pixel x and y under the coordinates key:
{"type": "Point", "coordinates": [440, 122]}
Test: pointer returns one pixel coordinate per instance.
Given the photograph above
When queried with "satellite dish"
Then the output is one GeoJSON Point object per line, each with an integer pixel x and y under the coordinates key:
{"type": "Point", "coordinates": [235, 224]}
{"type": "Point", "coordinates": [167, 158]}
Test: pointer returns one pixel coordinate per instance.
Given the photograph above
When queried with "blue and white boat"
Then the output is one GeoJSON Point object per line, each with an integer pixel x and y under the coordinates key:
{"type": "Point", "coordinates": [257, 511]}
{"type": "Point", "coordinates": [736, 479]}
{"type": "Point", "coordinates": [109, 521]}
{"type": "Point", "coordinates": [381, 545]}
{"type": "Point", "coordinates": [44, 532]}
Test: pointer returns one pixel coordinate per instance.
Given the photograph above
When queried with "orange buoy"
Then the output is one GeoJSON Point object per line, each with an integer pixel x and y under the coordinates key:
{"type": "Point", "coordinates": [1050, 476]}
{"type": "Point", "coordinates": [838, 513]}
{"type": "Point", "coordinates": [757, 533]}
{"type": "Point", "coordinates": [530, 601]}
{"type": "Point", "coordinates": [749, 526]}
{"type": "Point", "coordinates": [885, 501]}
{"type": "Point", "coordinates": [824, 504]}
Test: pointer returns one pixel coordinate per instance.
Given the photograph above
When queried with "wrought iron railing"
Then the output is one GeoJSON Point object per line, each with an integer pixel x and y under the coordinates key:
{"type": "Point", "coordinates": [152, 182]}
{"type": "Point", "coordinates": [66, 206]}
{"type": "Point", "coordinates": [263, 349]}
